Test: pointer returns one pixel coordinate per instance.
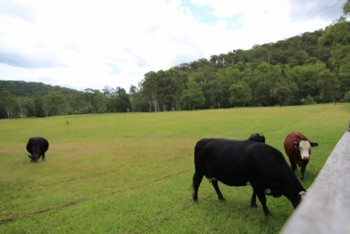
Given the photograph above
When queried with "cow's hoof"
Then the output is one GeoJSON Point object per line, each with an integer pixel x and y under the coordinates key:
{"type": "Point", "coordinates": [267, 214]}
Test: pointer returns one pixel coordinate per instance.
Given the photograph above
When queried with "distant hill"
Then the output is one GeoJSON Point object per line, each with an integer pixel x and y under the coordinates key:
{"type": "Point", "coordinates": [31, 89]}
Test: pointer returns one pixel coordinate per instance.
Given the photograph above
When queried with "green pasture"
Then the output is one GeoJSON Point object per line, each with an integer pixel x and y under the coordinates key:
{"type": "Point", "coordinates": [132, 173]}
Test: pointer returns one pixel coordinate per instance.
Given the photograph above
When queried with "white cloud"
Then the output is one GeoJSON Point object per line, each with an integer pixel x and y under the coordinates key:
{"type": "Point", "coordinates": [96, 43]}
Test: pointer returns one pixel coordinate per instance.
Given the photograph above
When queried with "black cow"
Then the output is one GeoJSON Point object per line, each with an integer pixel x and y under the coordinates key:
{"type": "Point", "coordinates": [37, 146]}
{"type": "Point", "coordinates": [235, 163]}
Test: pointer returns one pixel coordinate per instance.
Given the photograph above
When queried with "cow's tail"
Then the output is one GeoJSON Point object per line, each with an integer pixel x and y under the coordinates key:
{"type": "Point", "coordinates": [199, 170]}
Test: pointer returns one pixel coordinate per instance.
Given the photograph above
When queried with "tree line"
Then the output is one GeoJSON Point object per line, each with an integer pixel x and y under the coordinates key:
{"type": "Point", "coordinates": [305, 69]}
{"type": "Point", "coordinates": [30, 99]}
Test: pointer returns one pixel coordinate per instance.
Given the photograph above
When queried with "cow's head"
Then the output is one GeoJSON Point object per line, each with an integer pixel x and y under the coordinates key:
{"type": "Point", "coordinates": [296, 198]}
{"type": "Point", "coordinates": [256, 137]}
{"type": "Point", "coordinates": [33, 157]}
{"type": "Point", "coordinates": [35, 153]}
{"type": "Point", "coordinates": [304, 147]}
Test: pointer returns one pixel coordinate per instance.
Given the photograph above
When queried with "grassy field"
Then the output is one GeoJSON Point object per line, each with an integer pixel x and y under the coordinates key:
{"type": "Point", "coordinates": [132, 173]}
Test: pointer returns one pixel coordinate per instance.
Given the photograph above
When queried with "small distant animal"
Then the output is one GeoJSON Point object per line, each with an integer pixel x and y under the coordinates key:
{"type": "Point", "coordinates": [298, 148]}
{"type": "Point", "coordinates": [37, 147]}
{"type": "Point", "coordinates": [235, 163]}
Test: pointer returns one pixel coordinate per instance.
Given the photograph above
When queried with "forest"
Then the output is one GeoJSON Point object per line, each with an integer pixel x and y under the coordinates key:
{"type": "Point", "coordinates": [310, 68]}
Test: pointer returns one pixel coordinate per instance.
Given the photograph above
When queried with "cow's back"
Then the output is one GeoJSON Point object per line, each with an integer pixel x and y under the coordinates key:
{"type": "Point", "coordinates": [232, 162]}
{"type": "Point", "coordinates": [219, 150]}
{"type": "Point", "coordinates": [38, 143]}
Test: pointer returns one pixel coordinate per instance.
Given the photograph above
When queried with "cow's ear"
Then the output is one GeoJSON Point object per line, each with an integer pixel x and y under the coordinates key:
{"type": "Point", "coordinates": [295, 144]}
{"type": "Point", "coordinates": [313, 144]}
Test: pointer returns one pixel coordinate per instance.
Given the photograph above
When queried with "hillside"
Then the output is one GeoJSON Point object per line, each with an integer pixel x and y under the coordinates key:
{"type": "Point", "coordinates": [308, 68]}
{"type": "Point", "coordinates": [31, 89]}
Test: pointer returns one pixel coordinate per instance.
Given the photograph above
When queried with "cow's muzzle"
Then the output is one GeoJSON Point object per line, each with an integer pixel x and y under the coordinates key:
{"type": "Point", "coordinates": [305, 157]}
{"type": "Point", "coordinates": [32, 158]}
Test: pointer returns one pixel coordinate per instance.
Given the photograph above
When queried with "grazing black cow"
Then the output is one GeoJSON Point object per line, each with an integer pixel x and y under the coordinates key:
{"type": "Point", "coordinates": [235, 163]}
{"type": "Point", "coordinates": [37, 146]}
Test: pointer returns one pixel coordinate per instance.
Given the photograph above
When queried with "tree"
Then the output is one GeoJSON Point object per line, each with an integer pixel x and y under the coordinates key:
{"type": "Point", "coordinates": [26, 106]}
{"type": "Point", "coordinates": [137, 101]}
{"type": "Point", "coordinates": [122, 100]}
{"type": "Point", "coordinates": [163, 89]}
{"type": "Point", "coordinates": [344, 78]}
{"type": "Point", "coordinates": [170, 89]}
{"type": "Point", "coordinates": [240, 93]}
{"type": "Point", "coordinates": [39, 109]}
{"type": "Point", "coordinates": [328, 86]}
{"type": "Point", "coordinates": [192, 97]}
{"type": "Point", "coordinates": [80, 103]}
{"type": "Point", "coordinates": [346, 97]}
{"type": "Point", "coordinates": [9, 106]}
{"type": "Point", "coordinates": [260, 80]}
{"type": "Point", "coordinates": [97, 100]}
{"type": "Point", "coordinates": [56, 103]}
{"type": "Point", "coordinates": [219, 88]}
{"type": "Point", "coordinates": [283, 91]}
{"type": "Point", "coordinates": [306, 79]}
{"type": "Point", "coordinates": [111, 96]}
{"type": "Point", "coordinates": [150, 89]}
{"type": "Point", "coordinates": [346, 8]}
{"type": "Point", "coordinates": [308, 100]}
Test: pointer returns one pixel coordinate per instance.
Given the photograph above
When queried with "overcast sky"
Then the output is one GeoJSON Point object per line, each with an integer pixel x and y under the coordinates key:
{"type": "Point", "coordinates": [96, 43]}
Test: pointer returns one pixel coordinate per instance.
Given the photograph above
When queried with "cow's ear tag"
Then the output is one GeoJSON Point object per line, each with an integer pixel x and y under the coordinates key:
{"type": "Point", "coordinates": [302, 194]}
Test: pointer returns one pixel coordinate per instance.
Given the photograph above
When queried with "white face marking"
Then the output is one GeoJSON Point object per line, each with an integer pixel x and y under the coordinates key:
{"type": "Point", "coordinates": [304, 147]}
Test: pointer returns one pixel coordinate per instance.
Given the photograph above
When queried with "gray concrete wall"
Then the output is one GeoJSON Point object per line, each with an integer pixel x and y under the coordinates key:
{"type": "Point", "coordinates": [326, 207]}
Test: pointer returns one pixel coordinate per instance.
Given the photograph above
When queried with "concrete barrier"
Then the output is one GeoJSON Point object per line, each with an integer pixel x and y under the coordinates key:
{"type": "Point", "coordinates": [326, 207]}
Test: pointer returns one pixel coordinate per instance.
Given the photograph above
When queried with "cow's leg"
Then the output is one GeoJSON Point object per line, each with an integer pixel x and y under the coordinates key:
{"type": "Point", "coordinates": [253, 200]}
{"type": "Point", "coordinates": [293, 165]}
{"type": "Point", "coordinates": [43, 157]}
{"type": "Point", "coordinates": [262, 199]}
{"type": "Point", "coordinates": [303, 165]}
{"type": "Point", "coordinates": [218, 192]}
{"type": "Point", "coordinates": [197, 179]}
{"type": "Point", "coordinates": [302, 170]}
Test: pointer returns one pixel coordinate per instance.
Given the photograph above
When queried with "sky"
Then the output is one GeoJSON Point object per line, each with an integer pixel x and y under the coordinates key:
{"type": "Point", "coordinates": [84, 44]}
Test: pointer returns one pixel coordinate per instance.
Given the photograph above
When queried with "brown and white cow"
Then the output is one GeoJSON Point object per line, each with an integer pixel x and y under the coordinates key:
{"type": "Point", "coordinates": [298, 148]}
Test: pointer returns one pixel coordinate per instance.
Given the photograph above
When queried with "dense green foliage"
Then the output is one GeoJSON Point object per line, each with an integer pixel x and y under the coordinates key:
{"type": "Point", "coordinates": [310, 68]}
{"type": "Point", "coordinates": [305, 69]}
{"type": "Point", "coordinates": [132, 172]}
{"type": "Point", "coordinates": [23, 99]}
